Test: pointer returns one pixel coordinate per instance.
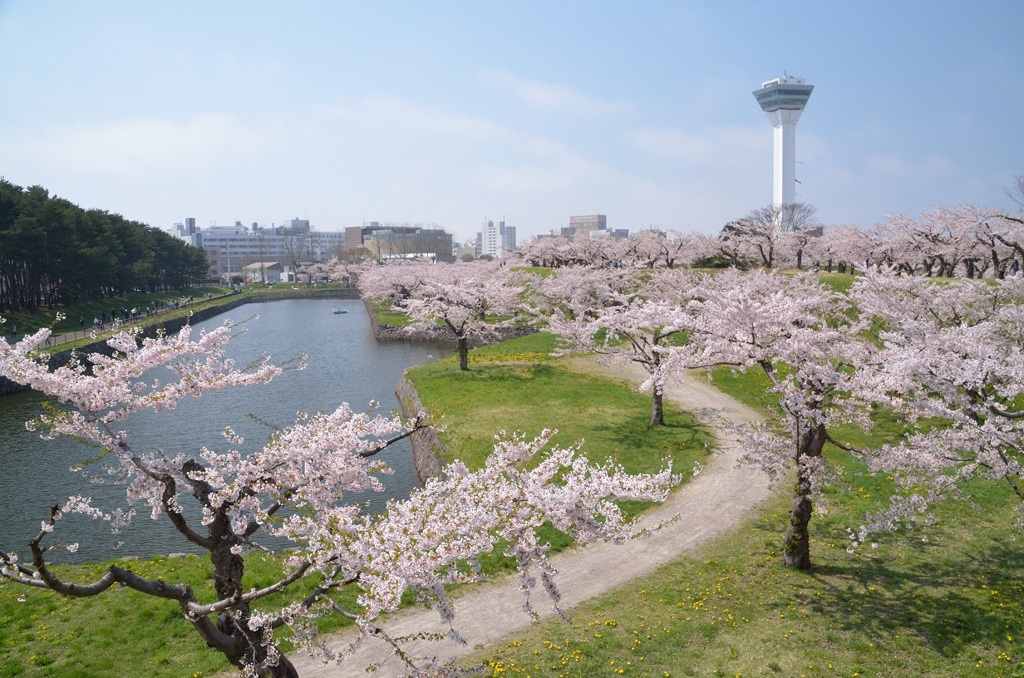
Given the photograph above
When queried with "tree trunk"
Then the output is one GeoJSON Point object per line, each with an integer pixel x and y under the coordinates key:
{"type": "Point", "coordinates": [657, 407]}
{"type": "Point", "coordinates": [248, 646]}
{"type": "Point", "coordinates": [796, 545]}
{"type": "Point", "coordinates": [463, 354]}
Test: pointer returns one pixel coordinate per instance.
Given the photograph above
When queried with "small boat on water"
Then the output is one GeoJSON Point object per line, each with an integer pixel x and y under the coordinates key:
{"type": "Point", "coordinates": [339, 311]}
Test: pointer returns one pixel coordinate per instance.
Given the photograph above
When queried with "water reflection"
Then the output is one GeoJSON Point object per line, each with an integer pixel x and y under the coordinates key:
{"type": "Point", "coordinates": [345, 364]}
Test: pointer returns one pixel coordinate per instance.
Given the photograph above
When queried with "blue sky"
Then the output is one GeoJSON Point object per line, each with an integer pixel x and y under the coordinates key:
{"type": "Point", "coordinates": [450, 112]}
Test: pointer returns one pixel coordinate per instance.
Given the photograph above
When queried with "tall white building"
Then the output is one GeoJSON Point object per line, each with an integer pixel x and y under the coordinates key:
{"type": "Point", "coordinates": [230, 248]}
{"type": "Point", "coordinates": [783, 100]}
{"type": "Point", "coordinates": [496, 240]}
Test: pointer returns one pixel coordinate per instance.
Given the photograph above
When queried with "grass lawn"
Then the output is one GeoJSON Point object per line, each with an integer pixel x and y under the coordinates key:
{"type": "Point", "coordinates": [78, 318]}
{"type": "Point", "coordinates": [86, 311]}
{"type": "Point", "coordinates": [122, 632]}
{"type": "Point", "coordinates": [126, 634]}
{"type": "Point", "coordinates": [946, 600]}
{"type": "Point", "coordinates": [514, 386]}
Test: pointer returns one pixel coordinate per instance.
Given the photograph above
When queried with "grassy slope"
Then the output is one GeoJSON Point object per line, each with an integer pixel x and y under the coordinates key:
{"type": "Point", "coordinates": [944, 601]}
{"type": "Point", "coordinates": [515, 387]}
{"type": "Point", "coordinates": [86, 311]}
{"type": "Point", "coordinates": [126, 634]}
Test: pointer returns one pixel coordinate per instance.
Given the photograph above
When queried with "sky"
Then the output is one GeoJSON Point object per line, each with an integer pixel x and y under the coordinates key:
{"type": "Point", "coordinates": [452, 112]}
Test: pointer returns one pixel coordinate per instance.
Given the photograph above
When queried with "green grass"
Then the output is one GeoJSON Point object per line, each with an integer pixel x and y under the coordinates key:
{"type": "Point", "coordinates": [44, 634]}
{"type": "Point", "coordinates": [514, 386]}
{"type": "Point", "coordinates": [122, 632]}
{"type": "Point", "coordinates": [127, 634]}
{"type": "Point", "coordinates": [387, 315]}
{"type": "Point", "coordinates": [203, 297]}
{"type": "Point", "coordinates": [943, 601]}
{"type": "Point", "coordinates": [44, 316]}
{"type": "Point", "coordinates": [950, 606]}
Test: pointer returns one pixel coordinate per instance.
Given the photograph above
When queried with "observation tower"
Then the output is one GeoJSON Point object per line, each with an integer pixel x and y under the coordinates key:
{"type": "Point", "coordinates": [783, 100]}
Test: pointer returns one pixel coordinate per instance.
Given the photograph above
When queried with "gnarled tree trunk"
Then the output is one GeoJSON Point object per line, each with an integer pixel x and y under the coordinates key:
{"type": "Point", "coordinates": [796, 545]}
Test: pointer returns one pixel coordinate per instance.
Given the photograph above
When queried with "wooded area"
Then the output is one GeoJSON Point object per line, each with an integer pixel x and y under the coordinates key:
{"type": "Point", "coordinates": [53, 252]}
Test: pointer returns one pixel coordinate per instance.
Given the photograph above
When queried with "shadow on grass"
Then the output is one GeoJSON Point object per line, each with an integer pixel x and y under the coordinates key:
{"type": "Point", "coordinates": [950, 596]}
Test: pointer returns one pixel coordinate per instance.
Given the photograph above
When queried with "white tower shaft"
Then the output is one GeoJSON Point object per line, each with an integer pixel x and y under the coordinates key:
{"type": "Point", "coordinates": [783, 100]}
{"type": "Point", "coordinates": [784, 163]}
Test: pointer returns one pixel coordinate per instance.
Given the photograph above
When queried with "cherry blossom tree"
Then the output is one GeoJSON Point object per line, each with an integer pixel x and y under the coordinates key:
{"type": "Point", "coordinates": [1000, 238]}
{"type": "Point", "coordinates": [582, 250]}
{"type": "Point", "coordinates": [551, 252]}
{"type": "Point", "coordinates": [468, 301]}
{"type": "Point", "coordinates": [844, 244]}
{"type": "Point", "coordinates": [644, 249]}
{"type": "Point", "coordinates": [394, 281]}
{"type": "Point", "coordinates": [652, 248]}
{"type": "Point", "coordinates": [334, 270]}
{"type": "Point", "coordinates": [626, 315]}
{"type": "Point", "coordinates": [598, 250]}
{"type": "Point", "coordinates": [422, 544]}
{"type": "Point", "coordinates": [951, 351]}
{"type": "Point", "coordinates": [772, 235]}
{"type": "Point", "coordinates": [963, 240]}
{"type": "Point", "coordinates": [544, 251]}
{"type": "Point", "coordinates": [799, 334]}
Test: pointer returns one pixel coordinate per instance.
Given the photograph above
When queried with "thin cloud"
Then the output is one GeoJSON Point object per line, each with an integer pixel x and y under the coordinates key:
{"type": "Point", "coordinates": [142, 145]}
{"type": "Point", "coordinates": [714, 146]}
{"type": "Point", "coordinates": [930, 166]}
{"type": "Point", "coordinates": [394, 113]}
{"type": "Point", "coordinates": [549, 96]}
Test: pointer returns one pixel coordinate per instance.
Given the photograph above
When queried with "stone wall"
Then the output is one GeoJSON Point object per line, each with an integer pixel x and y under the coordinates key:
{"type": "Point", "coordinates": [427, 451]}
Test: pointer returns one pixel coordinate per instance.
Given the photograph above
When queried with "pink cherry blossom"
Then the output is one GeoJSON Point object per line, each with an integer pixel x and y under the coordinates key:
{"type": "Point", "coordinates": [295, 487]}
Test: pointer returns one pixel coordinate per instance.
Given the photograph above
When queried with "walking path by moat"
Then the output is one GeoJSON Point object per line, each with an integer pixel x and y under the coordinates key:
{"type": "Point", "coordinates": [712, 503]}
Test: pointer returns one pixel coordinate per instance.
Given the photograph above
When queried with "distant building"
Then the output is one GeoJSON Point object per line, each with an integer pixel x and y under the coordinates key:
{"type": "Point", "coordinates": [585, 225]}
{"type": "Point", "coordinates": [508, 238]}
{"type": "Point", "coordinates": [460, 250]}
{"type": "Point", "coordinates": [591, 226]}
{"type": "Point", "coordinates": [401, 242]}
{"type": "Point", "coordinates": [267, 272]}
{"type": "Point", "coordinates": [496, 240]}
{"type": "Point", "coordinates": [229, 249]}
{"type": "Point", "coordinates": [607, 234]}
{"type": "Point", "coordinates": [490, 240]}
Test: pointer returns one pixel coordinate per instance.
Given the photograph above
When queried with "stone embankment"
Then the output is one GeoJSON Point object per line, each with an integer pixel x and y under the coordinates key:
{"type": "Point", "coordinates": [427, 451]}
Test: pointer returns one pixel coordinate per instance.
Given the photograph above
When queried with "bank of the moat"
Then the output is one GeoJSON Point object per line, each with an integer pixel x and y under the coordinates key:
{"type": "Point", "coordinates": [426, 446]}
{"type": "Point", "coordinates": [200, 313]}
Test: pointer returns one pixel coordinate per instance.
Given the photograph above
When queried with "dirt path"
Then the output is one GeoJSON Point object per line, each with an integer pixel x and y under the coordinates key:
{"type": "Point", "coordinates": [710, 504]}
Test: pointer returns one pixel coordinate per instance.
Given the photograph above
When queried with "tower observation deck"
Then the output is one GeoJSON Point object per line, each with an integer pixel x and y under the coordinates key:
{"type": "Point", "coordinates": [783, 100]}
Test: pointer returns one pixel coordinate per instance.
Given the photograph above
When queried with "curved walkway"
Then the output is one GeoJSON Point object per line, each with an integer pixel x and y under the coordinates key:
{"type": "Point", "coordinates": [712, 503]}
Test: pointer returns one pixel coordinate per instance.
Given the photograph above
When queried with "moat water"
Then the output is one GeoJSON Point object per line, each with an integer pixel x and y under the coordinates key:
{"type": "Point", "coordinates": [345, 364]}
